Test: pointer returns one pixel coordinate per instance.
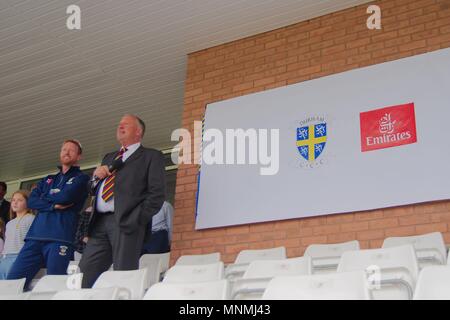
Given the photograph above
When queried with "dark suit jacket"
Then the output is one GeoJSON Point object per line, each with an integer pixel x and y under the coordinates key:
{"type": "Point", "coordinates": [139, 189]}
{"type": "Point", "coordinates": [4, 211]}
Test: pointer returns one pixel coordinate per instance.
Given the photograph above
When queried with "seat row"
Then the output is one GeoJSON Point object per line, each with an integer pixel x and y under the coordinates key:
{"type": "Point", "coordinates": [392, 270]}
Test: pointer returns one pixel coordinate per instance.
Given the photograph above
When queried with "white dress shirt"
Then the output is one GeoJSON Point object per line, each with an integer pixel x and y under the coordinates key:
{"type": "Point", "coordinates": [103, 206]}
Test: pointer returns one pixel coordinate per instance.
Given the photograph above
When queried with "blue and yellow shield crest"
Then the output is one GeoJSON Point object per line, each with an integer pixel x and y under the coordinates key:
{"type": "Point", "coordinates": [311, 140]}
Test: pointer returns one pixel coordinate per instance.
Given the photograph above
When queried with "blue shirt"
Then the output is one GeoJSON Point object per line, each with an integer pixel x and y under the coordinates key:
{"type": "Point", "coordinates": [163, 219]}
{"type": "Point", "coordinates": [51, 224]}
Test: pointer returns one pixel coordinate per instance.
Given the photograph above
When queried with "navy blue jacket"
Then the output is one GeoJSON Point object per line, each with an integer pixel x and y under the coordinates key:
{"type": "Point", "coordinates": [58, 225]}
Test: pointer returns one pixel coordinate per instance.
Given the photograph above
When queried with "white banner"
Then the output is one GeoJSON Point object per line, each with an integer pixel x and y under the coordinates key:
{"type": "Point", "coordinates": [369, 138]}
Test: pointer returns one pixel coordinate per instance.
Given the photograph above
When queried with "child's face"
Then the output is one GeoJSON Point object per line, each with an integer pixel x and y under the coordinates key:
{"type": "Point", "coordinates": [18, 203]}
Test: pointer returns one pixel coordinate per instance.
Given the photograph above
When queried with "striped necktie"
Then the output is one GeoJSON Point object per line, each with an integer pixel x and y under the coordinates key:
{"type": "Point", "coordinates": [108, 188]}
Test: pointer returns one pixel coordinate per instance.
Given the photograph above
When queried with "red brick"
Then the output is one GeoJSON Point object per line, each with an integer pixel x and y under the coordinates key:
{"type": "Point", "coordinates": [313, 240]}
{"type": "Point", "coordinates": [370, 235]}
{"type": "Point", "coordinates": [355, 226]}
{"type": "Point", "coordinates": [433, 227]}
{"type": "Point", "coordinates": [400, 231]}
{"type": "Point", "coordinates": [341, 237]}
{"type": "Point", "coordinates": [383, 223]}
{"type": "Point", "coordinates": [326, 229]}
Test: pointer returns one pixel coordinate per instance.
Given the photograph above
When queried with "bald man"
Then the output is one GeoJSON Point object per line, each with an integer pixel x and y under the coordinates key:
{"type": "Point", "coordinates": [125, 201]}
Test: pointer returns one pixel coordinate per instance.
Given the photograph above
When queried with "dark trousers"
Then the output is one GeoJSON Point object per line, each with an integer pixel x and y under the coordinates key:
{"type": "Point", "coordinates": [108, 245]}
{"type": "Point", "coordinates": [55, 256]}
{"type": "Point", "coordinates": [159, 243]}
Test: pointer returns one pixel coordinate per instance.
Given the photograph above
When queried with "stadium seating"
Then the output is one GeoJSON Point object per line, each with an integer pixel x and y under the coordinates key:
{"type": "Point", "coordinates": [194, 273]}
{"type": "Point", "coordinates": [153, 265]}
{"type": "Point", "coordinates": [325, 257]}
{"type": "Point", "coordinates": [198, 259]}
{"type": "Point", "coordinates": [54, 283]}
{"type": "Point", "coordinates": [207, 290]}
{"type": "Point", "coordinates": [430, 248]}
{"type": "Point", "coordinates": [134, 280]}
{"type": "Point", "coordinates": [433, 283]}
{"type": "Point", "coordinates": [335, 286]}
{"type": "Point", "coordinates": [112, 293]}
{"type": "Point", "coordinates": [237, 269]}
{"type": "Point", "coordinates": [392, 272]}
{"type": "Point", "coordinates": [11, 287]}
{"type": "Point", "coordinates": [260, 272]}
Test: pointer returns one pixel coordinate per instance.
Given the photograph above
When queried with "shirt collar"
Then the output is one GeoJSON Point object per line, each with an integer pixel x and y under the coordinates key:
{"type": "Point", "coordinates": [132, 148]}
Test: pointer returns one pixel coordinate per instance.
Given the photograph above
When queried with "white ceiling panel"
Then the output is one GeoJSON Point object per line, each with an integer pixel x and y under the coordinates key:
{"type": "Point", "coordinates": [128, 57]}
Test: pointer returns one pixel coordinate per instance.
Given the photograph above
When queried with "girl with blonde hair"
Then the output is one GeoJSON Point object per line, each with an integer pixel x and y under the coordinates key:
{"type": "Point", "coordinates": [21, 218]}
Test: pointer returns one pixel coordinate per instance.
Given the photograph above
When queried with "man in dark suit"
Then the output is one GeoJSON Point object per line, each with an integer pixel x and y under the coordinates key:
{"type": "Point", "coordinates": [4, 205]}
{"type": "Point", "coordinates": [125, 201]}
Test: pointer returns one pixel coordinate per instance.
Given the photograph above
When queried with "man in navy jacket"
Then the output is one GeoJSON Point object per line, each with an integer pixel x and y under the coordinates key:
{"type": "Point", "coordinates": [58, 200]}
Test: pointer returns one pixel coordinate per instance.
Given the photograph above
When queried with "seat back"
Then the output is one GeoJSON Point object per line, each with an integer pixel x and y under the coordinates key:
{"type": "Point", "coordinates": [209, 290]}
{"type": "Point", "coordinates": [433, 284]}
{"type": "Point", "coordinates": [77, 256]}
{"type": "Point", "coordinates": [392, 272]}
{"type": "Point", "coordinates": [283, 267]}
{"type": "Point", "coordinates": [325, 257]}
{"type": "Point", "coordinates": [260, 272]}
{"type": "Point", "coordinates": [112, 293]}
{"type": "Point", "coordinates": [247, 256]}
{"type": "Point", "coordinates": [198, 259]}
{"type": "Point", "coordinates": [12, 287]}
{"type": "Point", "coordinates": [194, 273]}
{"type": "Point", "coordinates": [335, 286]}
{"type": "Point", "coordinates": [53, 283]}
{"type": "Point", "coordinates": [237, 269]}
{"type": "Point", "coordinates": [153, 263]}
{"type": "Point", "coordinates": [133, 280]}
{"type": "Point", "coordinates": [430, 248]}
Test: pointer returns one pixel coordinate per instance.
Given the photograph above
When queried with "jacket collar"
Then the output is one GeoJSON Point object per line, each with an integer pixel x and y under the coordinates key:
{"type": "Point", "coordinates": [135, 154]}
{"type": "Point", "coordinates": [71, 170]}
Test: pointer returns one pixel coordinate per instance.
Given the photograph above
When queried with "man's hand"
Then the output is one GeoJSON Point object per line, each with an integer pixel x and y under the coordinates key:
{"type": "Point", "coordinates": [63, 207]}
{"type": "Point", "coordinates": [85, 239]}
{"type": "Point", "coordinates": [102, 172]}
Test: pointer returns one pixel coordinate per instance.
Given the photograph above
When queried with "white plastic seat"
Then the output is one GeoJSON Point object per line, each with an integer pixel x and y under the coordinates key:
{"type": "Point", "coordinates": [392, 272]}
{"type": "Point", "coordinates": [153, 267]}
{"type": "Point", "coordinates": [20, 296]}
{"type": "Point", "coordinates": [247, 256]}
{"type": "Point", "coordinates": [325, 257]}
{"type": "Point", "coordinates": [29, 296]}
{"type": "Point", "coordinates": [77, 256]}
{"type": "Point", "coordinates": [112, 293]}
{"type": "Point", "coordinates": [433, 283]}
{"type": "Point", "coordinates": [54, 283]}
{"type": "Point", "coordinates": [237, 269]}
{"type": "Point", "coordinates": [333, 286]}
{"type": "Point", "coordinates": [430, 248]}
{"type": "Point", "coordinates": [12, 287]}
{"type": "Point", "coordinates": [156, 265]}
{"type": "Point", "coordinates": [164, 257]}
{"type": "Point", "coordinates": [73, 267]}
{"type": "Point", "coordinates": [133, 280]}
{"type": "Point", "coordinates": [210, 290]}
{"type": "Point", "coordinates": [260, 272]}
{"type": "Point", "coordinates": [197, 273]}
{"type": "Point", "coordinates": [198, 259]}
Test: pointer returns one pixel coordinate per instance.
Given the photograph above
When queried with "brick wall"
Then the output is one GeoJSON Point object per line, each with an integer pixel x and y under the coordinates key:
{"type": "Point", "coordinates": [311, 49]}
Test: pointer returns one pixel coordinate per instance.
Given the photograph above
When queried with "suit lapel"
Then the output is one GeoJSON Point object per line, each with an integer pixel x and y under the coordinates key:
{"type": "Point", "coordinates": [135, 155]}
